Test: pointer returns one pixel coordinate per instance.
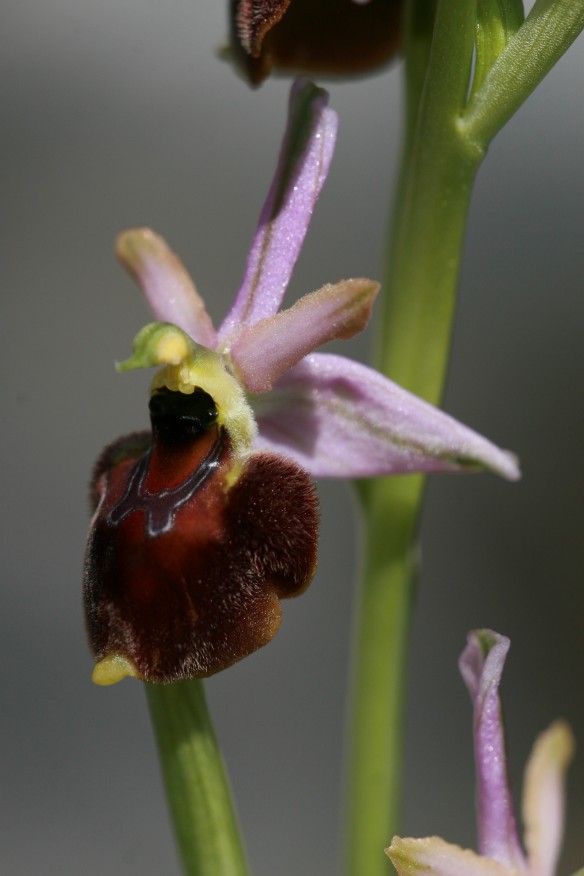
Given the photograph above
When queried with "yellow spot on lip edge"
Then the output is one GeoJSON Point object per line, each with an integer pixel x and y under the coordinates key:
{"type": "Point", "coordinates": [113, 668]}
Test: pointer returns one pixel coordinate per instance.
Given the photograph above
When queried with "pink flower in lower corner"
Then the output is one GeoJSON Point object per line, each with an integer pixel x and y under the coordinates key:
{"type": "Point", "coordinates": [500, 850]}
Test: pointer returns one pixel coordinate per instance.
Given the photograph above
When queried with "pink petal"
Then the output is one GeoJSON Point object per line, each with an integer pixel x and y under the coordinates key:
{"type": "Point", "coordinates": [435, 857]}
{"type": "Point", "coordinates": [543, 798]}
{"type": "Point", "coordinates": [170, 292]}
{"type": "Point", "coordinates": [305, 157]}
{"type": "Point", "coordinates": [266, 350]}
{"type": "Point", "coordinates": [338, 418]}
{"type": "Point", "coordinates": [481, 665]}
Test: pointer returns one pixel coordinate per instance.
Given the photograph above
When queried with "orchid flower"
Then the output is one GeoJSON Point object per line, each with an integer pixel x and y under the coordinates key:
{"type": "Point", "coordinates": [500, 850]}
{"type": "Point", "coordinates": [331, 37]}
{"type": "Point", "coordinates": [201, 527]}
{"type": "Point", "coordinates": [335, 417]}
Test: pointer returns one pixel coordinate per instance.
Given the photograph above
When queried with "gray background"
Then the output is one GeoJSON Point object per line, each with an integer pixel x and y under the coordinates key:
{"type": "Point", "coordinates": [118, 113]}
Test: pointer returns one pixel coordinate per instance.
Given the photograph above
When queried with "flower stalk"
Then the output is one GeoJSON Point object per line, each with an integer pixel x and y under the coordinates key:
{"type": "Point", "coordinates": [196, 783]}
{"type": "Point", "coordinates": [445, 140]}
{"type": "Point", "coordinates": [413, 344]}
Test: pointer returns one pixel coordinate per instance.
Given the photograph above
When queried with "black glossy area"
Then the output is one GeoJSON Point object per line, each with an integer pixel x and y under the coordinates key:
{"type": "Point", "coordinates": [176, 416]}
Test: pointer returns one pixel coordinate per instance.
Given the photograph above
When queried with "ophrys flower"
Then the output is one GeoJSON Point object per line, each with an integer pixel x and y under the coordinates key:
{"type": "Point", "coordinates": [201, 527]}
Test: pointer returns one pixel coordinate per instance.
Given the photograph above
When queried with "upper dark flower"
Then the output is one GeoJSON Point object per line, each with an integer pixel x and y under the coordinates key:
{"type": "Point", "coordinates": [330, 37]}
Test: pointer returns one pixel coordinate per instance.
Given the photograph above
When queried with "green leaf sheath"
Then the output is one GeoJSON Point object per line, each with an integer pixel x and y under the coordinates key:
{"type": "Point", "coordinates": [548, 31]}
{"type": "Point", "coordinates": [497, 22]}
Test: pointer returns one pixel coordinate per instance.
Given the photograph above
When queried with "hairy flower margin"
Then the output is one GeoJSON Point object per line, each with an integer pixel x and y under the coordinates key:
{"type": "Point", "coordinates": [500, 850]}
{"type": "Point", "coordinates": [201, 526]}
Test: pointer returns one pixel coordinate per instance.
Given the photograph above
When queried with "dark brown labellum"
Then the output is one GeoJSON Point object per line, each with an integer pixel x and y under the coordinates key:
{"type": "Point", "coordinates": [189, 550]}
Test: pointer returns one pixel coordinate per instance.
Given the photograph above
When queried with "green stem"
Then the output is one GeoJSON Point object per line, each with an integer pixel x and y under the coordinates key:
{"type": "Point", "coordinates": [195, 779]}
{"type": "Point", "coordinates": [379, 676]}
{"type": "Point", "coordinates": [444, 143]}
{"type": "Point", "coordinates": [413, 343]}
{"type": "Point", "coordinates": [437, 174]}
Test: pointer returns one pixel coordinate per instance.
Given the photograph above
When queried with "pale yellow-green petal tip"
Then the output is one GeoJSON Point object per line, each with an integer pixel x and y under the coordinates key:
{"type": "Point", "coordinates": [113, 668]}
{"type": "Point", "coordinates": [432, 856]}
{"type": "Point", "coordinates": [158, 343]}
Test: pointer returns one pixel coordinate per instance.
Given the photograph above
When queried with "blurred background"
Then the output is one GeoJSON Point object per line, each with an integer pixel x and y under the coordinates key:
{"type": "Point", "coordinates": [121, 113]}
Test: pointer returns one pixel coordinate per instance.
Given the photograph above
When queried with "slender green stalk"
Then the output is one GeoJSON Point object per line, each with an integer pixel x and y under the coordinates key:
{"type": "Point", "coordinates": [379, 675]}
{"type": "Point", "coordinates": [444, 143]}
{"type": "Point", "coordinates": [413, 343]}
{"type": "Point", "coordinates": [196, 783]}
{"type": "Point", "coordinates": [437, 173]}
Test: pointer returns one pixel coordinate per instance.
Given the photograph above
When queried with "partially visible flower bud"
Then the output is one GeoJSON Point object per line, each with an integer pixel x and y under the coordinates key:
{"type": "Point", "coordinates": [323, 37]}
{"type": "Point", "coordinates": [192, 545]}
